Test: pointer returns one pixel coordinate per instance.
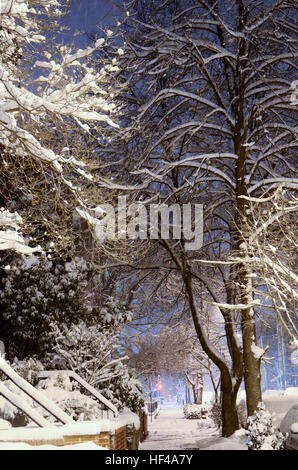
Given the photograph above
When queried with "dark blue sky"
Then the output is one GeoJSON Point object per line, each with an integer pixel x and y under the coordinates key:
{"type": "Point", "coordinates": [90, 15]}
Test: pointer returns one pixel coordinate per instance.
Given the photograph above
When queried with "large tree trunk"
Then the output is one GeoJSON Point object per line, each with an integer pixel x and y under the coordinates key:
{"type": "Point", "coordinates": [252, 361]}
{"type": "Point", "coordinates": [230, 422]}
{"type": "Point", "coordinates": [252, 375]}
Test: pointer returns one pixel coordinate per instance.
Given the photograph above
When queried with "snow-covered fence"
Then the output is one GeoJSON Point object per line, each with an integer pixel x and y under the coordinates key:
{"type": "Point", "coordinates": [33, 393]}
{"type": "Point", "coordinates": [74, 376]}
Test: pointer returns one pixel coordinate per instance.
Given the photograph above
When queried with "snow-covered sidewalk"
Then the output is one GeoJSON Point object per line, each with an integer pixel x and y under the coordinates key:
{"type": "Point", "coordinates": [170, 430]}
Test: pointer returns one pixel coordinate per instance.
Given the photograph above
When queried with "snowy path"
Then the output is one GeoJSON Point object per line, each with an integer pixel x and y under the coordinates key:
{"type": "Point", "coordinates": [171, 431]}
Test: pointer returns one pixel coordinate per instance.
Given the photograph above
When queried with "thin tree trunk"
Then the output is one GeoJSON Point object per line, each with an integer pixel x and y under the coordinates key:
{"type": "Point", "coordinates": [200, 389]}
{"type": "Point", "coordinates": [230, 422]}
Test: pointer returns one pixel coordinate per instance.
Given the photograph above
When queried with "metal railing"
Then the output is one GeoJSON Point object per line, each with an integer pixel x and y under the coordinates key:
{"type": "Point", "coordinates": [152, 406]}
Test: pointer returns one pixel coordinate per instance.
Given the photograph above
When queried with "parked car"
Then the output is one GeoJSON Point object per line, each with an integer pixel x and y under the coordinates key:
{"type": "Point", "coordinates": [289, 426]}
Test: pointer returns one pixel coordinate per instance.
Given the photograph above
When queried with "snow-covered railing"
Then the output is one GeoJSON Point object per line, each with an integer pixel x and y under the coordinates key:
{"type": "Point", "coordinates": [33, 393]}
{"type": "Point", "coordinates": [153, 406]}
{"type": "Point", "coordinates": [21, 405]}
{"type": "Point", "coordinates": [73, 375]}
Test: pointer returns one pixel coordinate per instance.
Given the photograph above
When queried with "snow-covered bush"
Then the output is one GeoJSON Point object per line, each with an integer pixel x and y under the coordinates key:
{"type": "Point", "coordinates": [39, 293]}
{"type": "Point", "coordinates": [193, 411]}
{"type": "Point", "coordinates": [28, 369]}
{"type": "Point", "coordinates": [56, 317]}
{"type": "Point", "coordinates": [261, 432]}
{"type": "Point", "coordinates": [92, 352]}
{"type": "Point", "coordinates": [216, 414]}
{"type": "Point", "coordinates": [80, 407]}
{"type": "Point", "coordinates": [87, 350]}
{"type": "Point", "coordinates": [125, 390]}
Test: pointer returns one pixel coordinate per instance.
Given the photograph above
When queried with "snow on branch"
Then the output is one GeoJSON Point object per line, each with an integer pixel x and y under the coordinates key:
{"type": "Point", "coordinates": [70, 88]}
{"type": "Point", "coordinates": [10, 238]}
{"type": "Point", "coordinates": [237, 306]}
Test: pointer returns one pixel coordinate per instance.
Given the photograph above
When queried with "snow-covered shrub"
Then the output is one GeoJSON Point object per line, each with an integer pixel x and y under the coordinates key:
{"type": "Point", "coordinates": [38, 293]}
{"type": "Point", "coordinates": [192, 411]}
{"type": "Point", "coordinates": [125, 390]}
{"type": "Point", "coordinates": [216, 414]}
{"type": "Point", "coordinates": [54, 316]}
{"type": "Point", "coordinates": [28, 370]}
{"type": "Point", "coordinates": [80, 407]}
{"type": "Point", "coordinates": [87, 350]}
{"type": "Point", "coordinates": [261, 432]}
{"type": "Point", "coordinates": [92, 353]}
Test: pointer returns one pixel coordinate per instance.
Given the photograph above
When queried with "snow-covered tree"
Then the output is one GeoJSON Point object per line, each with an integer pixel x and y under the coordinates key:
{"type": "Point", "coordinates": [52, 105]}
{"type": "Point", "coordinates": [211, 86]}
{"type": "Point", "coordinates": [174, 350]}
{"type": "Point", "coordinates": [272, 254]}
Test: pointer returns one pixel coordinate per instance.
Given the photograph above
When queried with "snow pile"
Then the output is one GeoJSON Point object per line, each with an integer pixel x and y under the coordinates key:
{"type": "Point", "coordinates": [32, 434]}
{"type": "Point", "coordinates": [128, 418]}
{"type": "Point", "coordinates": [4, 425]}
{"type": "Point", "coordinates": [10, 238]}
{"type": "Point", "coordinates": [238, 441]}
{"type": "Point", "coordinates": [294, 428]}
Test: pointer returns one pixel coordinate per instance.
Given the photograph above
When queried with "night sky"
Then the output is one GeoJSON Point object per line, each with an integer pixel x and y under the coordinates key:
{"type": "Point", "coordinates": [89, 16]}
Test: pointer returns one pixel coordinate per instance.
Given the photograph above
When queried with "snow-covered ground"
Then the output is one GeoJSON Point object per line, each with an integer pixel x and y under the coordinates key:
{"type": "Point", "coordinates": [22, 446]}
{"type": "Point", "coordinates": [170, 430]}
